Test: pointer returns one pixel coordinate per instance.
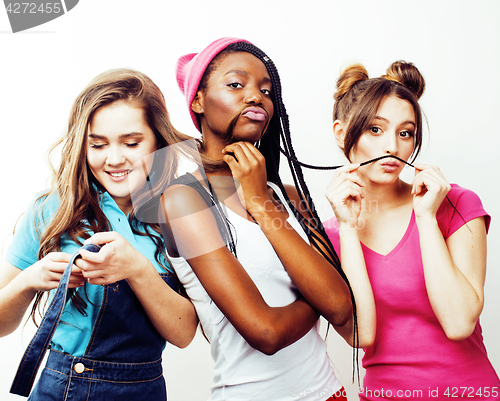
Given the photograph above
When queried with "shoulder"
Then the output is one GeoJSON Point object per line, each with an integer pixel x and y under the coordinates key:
{"type": "Point", "coordinates": [179, 200]}
{"type": "Point", "coordinates": [191, 218]}
{"type": "Point", "coordinates": [40, 211]}
{"type": "Point", "coordinates": [463, 200]}
{"type": "Point", "coordinates": [45, 203]}
{"type": "Point", "coordinates": [23, 249]}
{"type": "Point", "coordinates": [459, 207]}
{"type": "Point", "coordinates": [463, 195]}
{"type": "Point", "coordinates": [186, 196]}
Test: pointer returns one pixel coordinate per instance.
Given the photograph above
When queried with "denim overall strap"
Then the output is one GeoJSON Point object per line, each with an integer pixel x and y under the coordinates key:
{"type": "Point", "coordinates": [123, 332]}
{"type": "Point", "coordinates": [122, 360]}
{"type": "Point", "coordinates": [33, 356]}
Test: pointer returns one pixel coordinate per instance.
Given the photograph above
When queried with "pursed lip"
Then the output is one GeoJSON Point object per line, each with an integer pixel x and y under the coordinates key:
{"type": "Point", "coordinates": [390, 165]}
{"type": "Point", "coordinates": [255, 113]}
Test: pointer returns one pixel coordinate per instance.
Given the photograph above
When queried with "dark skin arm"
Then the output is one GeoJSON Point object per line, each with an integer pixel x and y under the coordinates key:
{"type": "Point", "coordinates": [190, 230]}
{"type": "Point", "coordinates": [317, 280]}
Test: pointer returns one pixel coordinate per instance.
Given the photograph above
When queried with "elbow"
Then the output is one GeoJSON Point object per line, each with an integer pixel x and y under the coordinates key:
{"type": "Point", "coordinates": [189, 336]}
{"type": "Point", "coordinates": [459, 332]}
{"type": "Point", "coordinates": [184, 341]}
{"type": "Point", "coordinates": [183, 337]}
{"type": "Point", "coordinates": [341, 318]}
{"type": "Point", "coordinates": [268, 349]}
{"type": "Point", "coordinates": [342, 313]}
{"type": "Point", "coordinates": [267, 341]}
{"type": "Point", "coordinates": [460, 326]}
{"type": "Point", "coordinates": [365, 336]}
{"type": "Point", "coordinates": [366, 340]}
{"type": "Point", "coordinates": [6, 329]}
{"type": "Point", "coordinates": [4, 333]}
{"type": "Point", "coordinates": [183, 345]}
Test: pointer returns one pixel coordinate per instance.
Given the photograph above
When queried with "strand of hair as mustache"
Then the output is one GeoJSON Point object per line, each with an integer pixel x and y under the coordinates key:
{"type": "Point", "coordinates": [313, 167]}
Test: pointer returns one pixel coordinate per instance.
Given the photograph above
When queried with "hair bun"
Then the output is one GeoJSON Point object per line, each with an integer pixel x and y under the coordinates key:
{"type": "Point", "coordinates": [408, 75]}
{"type": "Point", "coordinates": [350, 77]}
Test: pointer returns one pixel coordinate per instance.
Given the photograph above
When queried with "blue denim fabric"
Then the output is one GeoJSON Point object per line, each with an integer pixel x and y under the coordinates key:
{"type": "Point", "coordinates": [100, 381]}
{"type": "Point", "coordinates": [122, 360]}
{"type": "Point", "coordinates": [32, 358]}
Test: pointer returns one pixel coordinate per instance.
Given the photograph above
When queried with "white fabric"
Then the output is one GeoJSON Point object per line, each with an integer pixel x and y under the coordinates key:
{"type": "Point", "coordinates": [300, 371]}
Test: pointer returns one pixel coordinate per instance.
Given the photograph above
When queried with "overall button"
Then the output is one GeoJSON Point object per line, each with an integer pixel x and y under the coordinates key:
{"type": "Point", "coordinates": [79, 367]}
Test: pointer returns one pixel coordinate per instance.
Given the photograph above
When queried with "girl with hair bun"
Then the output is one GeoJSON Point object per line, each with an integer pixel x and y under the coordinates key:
{"type": "Point", "coordinates": [415, 253]}
{"type": "Point", "coordinates": [111, 307]}
{"type": "Point", "coordinates": [248, 250]}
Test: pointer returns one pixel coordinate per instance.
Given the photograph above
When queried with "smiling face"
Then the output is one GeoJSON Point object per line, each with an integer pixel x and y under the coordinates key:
{"type": "Point", "coordinates": [236, 99]}
{"type": "Point", "coordinates": [391, 131]}
{"type": "Point", "coordinates": [118, 137]}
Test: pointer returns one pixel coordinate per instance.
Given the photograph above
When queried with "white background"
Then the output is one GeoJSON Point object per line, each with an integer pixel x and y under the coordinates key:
{"type": "Point", "coordinates": [455, 44]}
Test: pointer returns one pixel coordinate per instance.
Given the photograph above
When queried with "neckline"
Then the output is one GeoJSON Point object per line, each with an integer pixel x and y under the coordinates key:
{"type": "Point", "coordinates": [106, 198]}
{"type": "Point", "coordinates": [399, 244]}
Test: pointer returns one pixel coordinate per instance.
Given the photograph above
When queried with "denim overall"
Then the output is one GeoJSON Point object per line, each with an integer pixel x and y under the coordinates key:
{"type": "Point", "coordinates": [121, 362]}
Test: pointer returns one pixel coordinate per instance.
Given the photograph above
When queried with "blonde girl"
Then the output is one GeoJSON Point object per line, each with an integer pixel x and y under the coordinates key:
{"type": "Point", "coordinates": [123, 301]}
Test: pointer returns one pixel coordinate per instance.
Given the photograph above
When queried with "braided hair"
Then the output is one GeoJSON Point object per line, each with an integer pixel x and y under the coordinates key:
{"type": "Point", "coordinates": [270, 145]}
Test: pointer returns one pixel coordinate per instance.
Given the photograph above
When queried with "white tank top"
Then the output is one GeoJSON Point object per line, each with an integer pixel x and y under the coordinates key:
{"type": "Point", "coordinates": [300, 371]}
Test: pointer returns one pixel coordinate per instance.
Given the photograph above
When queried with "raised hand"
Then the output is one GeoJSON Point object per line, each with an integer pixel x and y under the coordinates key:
{"type": "Point", "coordinates": [45, 274]}
{"type": "Point", "coordinates": [116, 260]}
{"type": "Point", "coordinates": [429, 188]}
{"type": "Point", "coordinates": [345, 193]}
{"type": "Point", "coordinates": [248, 166]}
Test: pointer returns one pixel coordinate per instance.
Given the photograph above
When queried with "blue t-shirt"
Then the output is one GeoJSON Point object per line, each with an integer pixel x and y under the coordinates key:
{"type": "Point", "coordinates": [73, 332]}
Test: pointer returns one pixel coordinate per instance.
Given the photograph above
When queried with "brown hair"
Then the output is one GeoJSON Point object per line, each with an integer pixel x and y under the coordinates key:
{"type": "Point", "coordinates": [78, 213]}
{"type": "Point", "coordinates": [358, 98]}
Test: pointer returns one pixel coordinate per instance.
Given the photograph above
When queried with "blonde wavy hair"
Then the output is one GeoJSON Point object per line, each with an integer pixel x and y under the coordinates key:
{"type": "Point", "coordinates": [78, 213]}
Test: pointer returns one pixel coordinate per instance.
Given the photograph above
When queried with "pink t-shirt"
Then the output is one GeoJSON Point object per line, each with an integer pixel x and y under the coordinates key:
{"type": "Point", "coordinates": [411, 357]}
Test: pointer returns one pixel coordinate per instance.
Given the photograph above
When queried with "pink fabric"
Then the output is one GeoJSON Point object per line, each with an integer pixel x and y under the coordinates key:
{"type": "Point", "coordinates": [191, 67]}
{"type": "Point", "coordinates": [412, 358]}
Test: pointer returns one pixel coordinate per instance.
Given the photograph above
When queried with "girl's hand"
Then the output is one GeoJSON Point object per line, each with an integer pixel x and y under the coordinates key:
{"type": "Point", "coordinates": [45, 274]}
{"type": "Point", "coordinates": [115, 261]}
{"type": "Point", "coordinates": [345, 193]}
{"type": "Point", "coordinates": [429, 188]}
{"type": "Point", "coordinates": [248, 166]}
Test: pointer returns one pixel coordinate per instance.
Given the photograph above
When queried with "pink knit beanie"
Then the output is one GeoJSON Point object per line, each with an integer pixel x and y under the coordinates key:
{"type": "Point", "coordinates": [191, 67]}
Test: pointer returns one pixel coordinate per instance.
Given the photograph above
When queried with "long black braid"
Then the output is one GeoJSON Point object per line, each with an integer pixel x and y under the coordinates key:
{"type": "Point", "coordinates": [279, 132]}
